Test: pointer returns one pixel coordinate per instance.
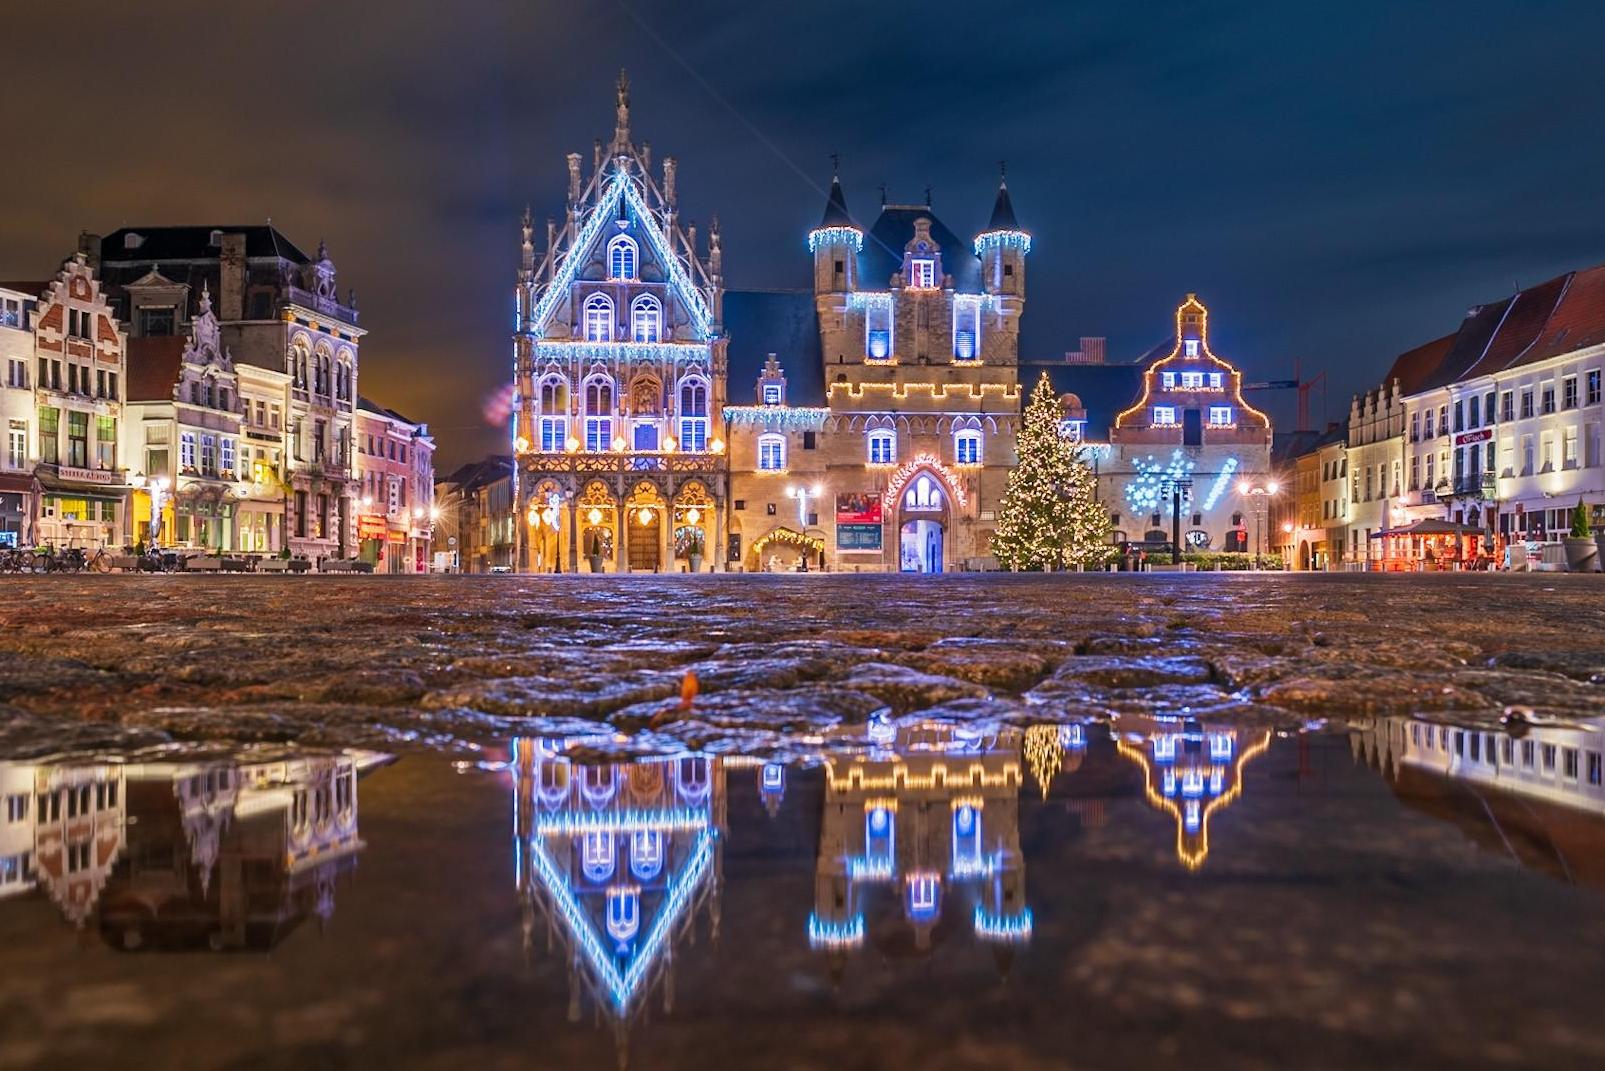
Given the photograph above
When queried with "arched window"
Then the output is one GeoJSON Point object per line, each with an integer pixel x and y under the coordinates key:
{"type": "Point", "coordinates": [597, 855]}
{"type": "Point", "coordinates": [622, 258]}
{"type": "Point", "coordinates": [771, 453]}
{"type": "Point", "coordinates": [598, 318]}
{"type": "Point", "coordinates": [883, 447]}
{"type": "Point", "coordinates": [646, 319]}
{"type": "Point", "coordinates": [320, 374]}
{"type": "Point", "coordinates": [623, 913]}
{"type": "Point", "coordinates": [967, 447]}
{"type": "Point", "coordinates": [923, 494]}
{"type": "Point", "coordinates": [693, 415]}
{"type": "Point", "coordinates": [554, 415]}
{"type": "Point", "coordinates": [298, 365]}
{"type": "Point", "coordinates": [598, 415]}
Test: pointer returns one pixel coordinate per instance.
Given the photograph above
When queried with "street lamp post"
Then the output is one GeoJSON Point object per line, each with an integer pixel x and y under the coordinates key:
{"type": "Point", "coordinates": [802, 495]}
{"type": "Point", "coordinates": [1260, 494]}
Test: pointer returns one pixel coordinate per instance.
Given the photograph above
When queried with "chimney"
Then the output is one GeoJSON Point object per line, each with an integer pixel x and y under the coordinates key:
{"type": "Point", "coordinates": [231, 278]}
{"type": "Point", "coordinates": [89, 246]}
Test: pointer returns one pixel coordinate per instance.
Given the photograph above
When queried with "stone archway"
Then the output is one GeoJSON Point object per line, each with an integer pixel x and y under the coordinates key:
{"type": "Point", "coordinates": [783, 549]}
{"type": "Point", "coordinates": [597, 517]}
{"type": "Point", "coordinates": [693, 518]}
{"type": "Point", "coordinates": [544, 518]}
{"type": "Point", "coordinates": [924, 501]}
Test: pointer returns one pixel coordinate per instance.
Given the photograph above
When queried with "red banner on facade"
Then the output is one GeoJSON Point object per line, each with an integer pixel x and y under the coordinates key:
{"type": "Point", "coordinates": [858, 508]}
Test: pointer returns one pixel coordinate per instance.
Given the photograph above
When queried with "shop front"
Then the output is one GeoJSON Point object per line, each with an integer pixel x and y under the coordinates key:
{"type": "Point", "coordinates": [81, 507]}
{"type": "Point", "coordinates": [18, 494]}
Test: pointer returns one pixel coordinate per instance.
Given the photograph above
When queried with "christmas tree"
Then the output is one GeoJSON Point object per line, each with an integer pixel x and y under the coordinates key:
{"type": "Point", "coordinates": [1050, 517]}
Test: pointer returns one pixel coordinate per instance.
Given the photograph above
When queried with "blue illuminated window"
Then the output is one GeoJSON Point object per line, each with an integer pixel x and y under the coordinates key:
{"type": "Point", "coordinates": [598, 415]}
{"type": "Point", "coordinates": [880, 344]}
{"type": "Point", "coordinates": [922, 274]}
{"type": "Point", "coordinates": [771, 453]}
{"type": "Point", "coordinates": [1164, 416]}
{"type": "Point", "coordinates": [598, 318]}
{"type": "Point", "coordinates": [622, 258]}
{"type": "Point", "coordinates": [772, 394]}
{"type": "Point", "coordinates": [1220, 416]}
{"type": "Point", "coordinates": [694, 415]}
{"type": "Point", "coordinates": [882, 447]}
{"type": "Point", "coordinates": [1190, 347]}
{"type": "Point", "coordinates": [646, 319]}
{"type": "Point", "coordinates": [1167, 380]}
{"type": "Point", "coordinates": [967, 447]}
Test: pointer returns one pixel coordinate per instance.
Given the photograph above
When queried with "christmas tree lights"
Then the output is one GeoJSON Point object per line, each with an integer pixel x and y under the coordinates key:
{"type": "Point", "coordinates": [1050, 517]}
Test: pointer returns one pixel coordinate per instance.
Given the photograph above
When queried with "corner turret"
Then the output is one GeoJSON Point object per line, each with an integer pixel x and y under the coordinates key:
{"type": "Point", "coordinates": [835, 243]}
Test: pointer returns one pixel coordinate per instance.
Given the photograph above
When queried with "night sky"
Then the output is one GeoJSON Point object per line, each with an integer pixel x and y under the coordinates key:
{"type": "Point", "coordinates": [1338, 183]}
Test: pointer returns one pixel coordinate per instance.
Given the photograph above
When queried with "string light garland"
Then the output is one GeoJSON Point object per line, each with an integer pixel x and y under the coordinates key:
{"type": "Point", "coordinates": [823, 934]}
{"type": "Point", "coordinates": [835, 236]}
{"type": "Point", "coordinates": [1014, 929]}
{"type": "Point", "coordinates": [789, 537]}
{"type": "Point", "coordinates": [1018, 240]}
{"type": "Point", "coordinates": [1151, 376]}
{"type": "Point", "coordinates": [778, 416]}
{"type": "Point", "coordinates": [624, 352]}
{"type": "Point", "coordinates": [905, 472]}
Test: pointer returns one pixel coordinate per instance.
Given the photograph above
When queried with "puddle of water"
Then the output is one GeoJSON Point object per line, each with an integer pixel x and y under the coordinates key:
{"type": "Point", "coordinates": [1163, 892]}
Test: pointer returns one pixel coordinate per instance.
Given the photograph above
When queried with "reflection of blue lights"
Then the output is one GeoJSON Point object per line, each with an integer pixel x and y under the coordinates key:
{"type": "Point", "coordinates": [877, 819]}
{"type": "Point", "coordinates": [867, 869]}
{"type": "Point", "coordinates": [1192, 815]}
{"type": "Point", "coordinates": [923, 896]}
{"type": "Point", "coordinates": [774, 776]}
{"type": "Point", "coordinates": [977, 866]}
{"type": "Point", "coordinates": [1165, 747]}
{"type": "Point", "coordinates": [1169, 782]}
{"type": "Point", "coordinates": [1220, 746]}
{"type": "Point", "coordinates": [646, 853]}
{"type": "Point", "coordinates": [623, 914]}
{"type": "Point", "coordinates": [621, 986]}
{"type": "Point", "coordinates": [1192, 782]}
{"type": "Point", "coordinates": [572, 822]}
{"type": "Point", "coordinates": [991, 927]}
{"type": "Point", "coordinates": [964, 819]}
{"type": "Point", "coordinates": [881, 730]}
{"type": "Point", "coordinates": [845, 934]}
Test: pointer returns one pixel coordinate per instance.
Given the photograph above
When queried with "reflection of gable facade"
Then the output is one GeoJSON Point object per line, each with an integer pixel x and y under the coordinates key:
{"type": "Point", "coordinates": [618, 860]}
{"type": "Point", "coordinates": [929, 832]}
{"type": "Point", "coordinates": [1191, 771]}
{"type": "Point", "coordinates": [1538, 799]}
{"type": "Point", "coordinates": [182, 855]}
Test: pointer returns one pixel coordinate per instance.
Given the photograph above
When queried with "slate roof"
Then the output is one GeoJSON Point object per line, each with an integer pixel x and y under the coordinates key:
{"type": "Point", "coordinates": [195, 243]}
{"type": "Point", "coordinates": [374, 407]}
{"type": "Point", "coordinates": [153, 363]}
{"type": "Point", "coordinates": [1470, 343]}
{"type": "Point", "coordinates": [1003, 211]}
{"type": "Point", "coordinates": [1104, 390]}
{"type": "Point", "coordinates": [882, 256]}
{"type": "Point", "coordinates": [836, 214]}
{"type": "Point", "coordinates": [477, 474]}
{"type": "Point", "coordinates": [782, 322]}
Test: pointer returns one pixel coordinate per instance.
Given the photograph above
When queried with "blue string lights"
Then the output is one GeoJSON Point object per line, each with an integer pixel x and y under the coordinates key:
{"type": "Point", "coordinates": [835, 236]}
{"type": "Point", "coordinates": [1002, 240]}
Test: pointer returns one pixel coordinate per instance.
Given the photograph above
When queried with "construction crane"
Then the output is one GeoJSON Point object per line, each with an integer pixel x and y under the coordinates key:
{"type": "Point", "coordinates": [1299, 384]}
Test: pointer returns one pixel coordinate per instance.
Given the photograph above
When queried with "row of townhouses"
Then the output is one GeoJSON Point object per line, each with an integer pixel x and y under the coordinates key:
{"type": "Point", "coordinates": [1487, 437]}
{"type": "Point", "coordinates": [866, 423]}
{"type": "Point", "coordinates": [196, 387]}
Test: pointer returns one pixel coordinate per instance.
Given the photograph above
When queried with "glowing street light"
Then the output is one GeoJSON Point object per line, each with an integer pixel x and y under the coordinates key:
{"type": "Point", "coordinates": [1260, 493]}
{"type": "Point", "coordinates": [802, 495]}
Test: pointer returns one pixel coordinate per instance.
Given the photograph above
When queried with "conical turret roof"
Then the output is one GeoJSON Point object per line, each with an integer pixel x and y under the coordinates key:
{"type": "Point", "coordinates": [1003, 211]}
{"type": "Point", "coordinates": [836, 214]}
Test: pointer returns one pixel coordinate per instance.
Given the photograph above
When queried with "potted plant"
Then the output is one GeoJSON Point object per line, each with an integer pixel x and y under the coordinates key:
{"type": "Point", "coordinates": [593, 553]}
{"type": "Point", "coordinates": [693, 549]}
{"type": "Point", "coordinates": [1582, 553]}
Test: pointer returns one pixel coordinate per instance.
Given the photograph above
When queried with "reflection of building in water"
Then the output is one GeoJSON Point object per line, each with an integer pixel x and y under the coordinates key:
{"type": "Point", "coordinates": [1052, 748]}
{"type": "Point", "coordinates": [1539, 798]}
{"type": "Point", "coordinates": [63, 830]}
{"type": "Point", "coordinates": [930, 821]}
{"type": "Point", "coordinates": [177, 855]}
{"type": "Point", "coordinates": [1190, 770]}
{"type": "Point", "coordinates": [618, 859]}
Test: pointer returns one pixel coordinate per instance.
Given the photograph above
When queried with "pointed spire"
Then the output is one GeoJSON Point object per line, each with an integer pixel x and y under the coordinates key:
{"type": "Point", "coordinates": [621, 126]}
{"type": "Point", "coordinates": [1003, 208]}
{"type": "Point", "coordinates": [836, 214]}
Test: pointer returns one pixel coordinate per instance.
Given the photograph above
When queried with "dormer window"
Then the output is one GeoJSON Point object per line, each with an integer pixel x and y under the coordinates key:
{"type": "Point", "coordinates": [772, 394]}
{"type": "Point", "coordinates": [622, 258]}
{"type": "Point", "coordinates": [1164, 416]}
{"type": "Point", "coordinates": [922, 274]}
{"type": "Point", "coordinates": [1190, 347]}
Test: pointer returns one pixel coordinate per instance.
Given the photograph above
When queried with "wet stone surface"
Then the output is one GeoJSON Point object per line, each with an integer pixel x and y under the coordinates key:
{"type": "Point", "coordinates": [802, 822]}
{"type": "Point", "coordinates": [456, 663]}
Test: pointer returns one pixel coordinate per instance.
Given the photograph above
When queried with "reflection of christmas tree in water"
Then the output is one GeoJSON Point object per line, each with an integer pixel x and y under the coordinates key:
{"type": "Point", "coordinates": [1045, 750]}
{"type": "Point", "coordinates": [1190, 770]}
{"type": "Point", "coordinates": [618, 860]}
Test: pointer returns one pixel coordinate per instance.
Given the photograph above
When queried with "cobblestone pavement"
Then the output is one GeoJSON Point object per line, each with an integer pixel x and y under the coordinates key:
{"type": "Point", "coordinates": [454, 663]}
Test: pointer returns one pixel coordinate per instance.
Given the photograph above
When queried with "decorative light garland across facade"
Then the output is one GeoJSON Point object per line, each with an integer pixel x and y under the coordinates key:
{"type": "Point", "coordinates": [1002, 240]}
{"type": "Point", "coordinates": [623, 352]}
{"type": "Point", "coordinates": [574, 823]}
{"type": "Point", "coordinates": [810, 418]}
{"type": "Point", "coordinates": [859, 300]}
{"type": "Point", "coordinates": [835, 235]}
{"type": "Point", "coordinates": [786, 535]}
{"type": "Point", "coordinates": [1143, 491]}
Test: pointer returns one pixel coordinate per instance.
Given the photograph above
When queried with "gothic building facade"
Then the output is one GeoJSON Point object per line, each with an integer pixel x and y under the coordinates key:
{"type": "Point", "coordinates": [619, 358]}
